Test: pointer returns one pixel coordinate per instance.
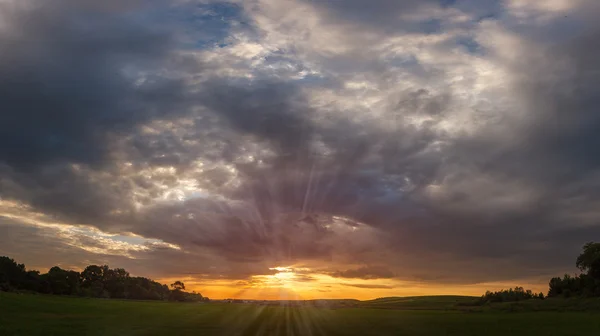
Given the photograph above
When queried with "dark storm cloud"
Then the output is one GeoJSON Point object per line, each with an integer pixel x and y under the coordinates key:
{"type": "Point", "coordinates": [64, 192]}
{"type": "Point", "coordinates": [75, 76]}
{"type": "Point", "coordinates": [67, 75]}
{"type": "Point", "coordinates": [274, 111]}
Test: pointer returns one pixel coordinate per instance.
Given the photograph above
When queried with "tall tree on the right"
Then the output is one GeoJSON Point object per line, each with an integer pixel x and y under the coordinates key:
{"type": "Point", "coordinates": [589, 260]}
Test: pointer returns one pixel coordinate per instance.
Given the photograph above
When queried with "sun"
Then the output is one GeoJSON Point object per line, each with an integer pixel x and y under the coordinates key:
{"type": "Point", "coordinates": [284, 277]}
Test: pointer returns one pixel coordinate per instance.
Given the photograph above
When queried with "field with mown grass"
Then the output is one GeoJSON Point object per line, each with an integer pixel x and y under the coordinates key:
{"type": "Point", "coordinates": [24, 314]}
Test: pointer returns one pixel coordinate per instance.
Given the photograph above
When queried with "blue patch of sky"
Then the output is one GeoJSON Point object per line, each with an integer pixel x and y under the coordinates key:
{"type": "Point", "coordinates": [209, 25]}
{"type": "Point", "coordinates": [202, 25]}
{"type": "Point", "coordinates": [470, 45]}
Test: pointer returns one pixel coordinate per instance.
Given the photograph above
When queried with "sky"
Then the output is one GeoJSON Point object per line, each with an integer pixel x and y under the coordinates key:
{"type": "Point", "coordinates": [268, 149]}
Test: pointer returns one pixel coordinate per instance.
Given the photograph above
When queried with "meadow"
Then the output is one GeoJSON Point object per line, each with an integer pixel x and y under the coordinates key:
{"type": "Point", "coordinates": [25, 314]}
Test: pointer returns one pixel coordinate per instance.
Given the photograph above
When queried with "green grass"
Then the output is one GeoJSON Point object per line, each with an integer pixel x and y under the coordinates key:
{"type": "Point", "coordinates": [51, 315]}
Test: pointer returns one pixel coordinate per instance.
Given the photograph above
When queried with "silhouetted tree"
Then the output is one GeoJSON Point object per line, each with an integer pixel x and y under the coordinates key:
{"type": "Point", "coordinates": [589, 260]}
{"type": "Point", "coordinates": [145, 289]}
{"type": "Point", "coordinates": [177, 293]}
{"type": "Point", "coordinates": [92, 281]}
{"type": "Point", "coordinates": [12, 275]}
{"type": "Point", "coordinates": [63, 282]}
{"type": "Point", "coordinates": [178, 285]}
{"type": "Point", "coordinates": [115, 282]}
{"type": "Point", "coordinates": [35, 282]}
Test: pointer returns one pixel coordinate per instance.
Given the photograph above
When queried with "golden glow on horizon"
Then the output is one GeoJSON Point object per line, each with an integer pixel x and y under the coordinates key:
{"type": "Point", "coordinates": [288, 285]}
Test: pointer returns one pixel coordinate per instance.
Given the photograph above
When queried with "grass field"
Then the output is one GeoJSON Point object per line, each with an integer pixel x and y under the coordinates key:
{"type": "Point", "coordinates": [52, 315]}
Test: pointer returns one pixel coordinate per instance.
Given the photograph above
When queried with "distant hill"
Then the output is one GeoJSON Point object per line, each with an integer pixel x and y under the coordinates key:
{"type": "Point", "coordinates": [438, 302]}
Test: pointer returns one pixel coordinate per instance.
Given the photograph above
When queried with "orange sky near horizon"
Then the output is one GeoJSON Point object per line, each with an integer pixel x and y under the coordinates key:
{"type": "Point", "coordinates": [286, 285]}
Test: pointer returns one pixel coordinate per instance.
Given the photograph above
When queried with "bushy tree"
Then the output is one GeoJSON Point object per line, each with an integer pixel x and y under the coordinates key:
{"type": "Point", "coordinates": [589, 260]}
{"type": "Point", "coordinates": [140, 288]}
{"type": "Point", "coordinates": [178, 285]}
{"type": "Point", "coordinates": [12, 275]}
{"type": "Point", "coordinates": [92, 281]}
{"type": "Point", "coordinates": [115, 282]}
{"type": "Point", "coordinates": [63, 282]}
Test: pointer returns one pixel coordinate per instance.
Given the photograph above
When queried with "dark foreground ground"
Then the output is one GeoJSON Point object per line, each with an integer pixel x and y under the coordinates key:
{"type": "Point", "coordinates": [51, 315]}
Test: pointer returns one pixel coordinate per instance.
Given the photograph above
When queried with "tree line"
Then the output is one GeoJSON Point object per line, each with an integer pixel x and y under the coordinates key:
{"type": "Point", "coordinates": [93, 281]}
{"type": "Point", "coordinates": [509, 295]}
{"type": "Point", "coordinates": [586, 284]}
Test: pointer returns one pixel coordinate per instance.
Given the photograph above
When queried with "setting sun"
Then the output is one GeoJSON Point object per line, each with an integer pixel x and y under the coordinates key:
{"type": "Point", "coordinates": [284, 275]}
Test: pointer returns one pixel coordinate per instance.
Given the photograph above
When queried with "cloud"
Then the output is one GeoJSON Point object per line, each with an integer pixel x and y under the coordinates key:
{"type": "Point", "coordinates": [411, 135]}
{"type": "Point", "coordinates": [366, 273]}
{"type": "Point", "coordinates": [43, 247]}
{"type": "Point", "coordinates": [68, 84]}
